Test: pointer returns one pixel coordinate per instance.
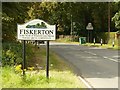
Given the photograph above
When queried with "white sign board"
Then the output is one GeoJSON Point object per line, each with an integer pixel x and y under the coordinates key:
{"type": "Point", "coordinates": [36, 30]}
{"type": "Point", "coordinates": [89, 26]}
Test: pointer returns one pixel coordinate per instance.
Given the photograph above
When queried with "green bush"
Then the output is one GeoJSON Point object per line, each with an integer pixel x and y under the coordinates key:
{"type": "Point", "coordinates": [104, 37]}
{"type": "Point", "coordinates": [113, 37]}
{"type": "Point", "coordinates": [12, 53]}
{"type": "Point", "coordinates": [8, 57]}
{"type": "Point", "coordinates": [109, 41]}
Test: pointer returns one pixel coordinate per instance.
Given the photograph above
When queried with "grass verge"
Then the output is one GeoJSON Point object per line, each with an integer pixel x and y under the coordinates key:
{"type": "Point", "coordinates": [61, 75]}
{"type": "Point", "coordinates": [33, 79]}
{"type": "Point", "coordinates": [66, 40]}
{"type": "Point", "coordinates": [106, 46]}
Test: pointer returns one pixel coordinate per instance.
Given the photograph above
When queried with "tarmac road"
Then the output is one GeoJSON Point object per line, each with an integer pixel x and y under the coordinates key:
{"type": "Point", "coordinates": [99, 67]}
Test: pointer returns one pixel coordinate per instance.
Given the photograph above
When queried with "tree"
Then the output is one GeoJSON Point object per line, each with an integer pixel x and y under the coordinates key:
{"type": "Point", "coordinates": [116, 17]}
{"type": "Point", "coordinates": [13, 13]}
{"type": "Point", "coordinates": [63, 14]}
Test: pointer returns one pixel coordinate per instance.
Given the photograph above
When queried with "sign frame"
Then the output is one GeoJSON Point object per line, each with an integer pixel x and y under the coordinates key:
{"type": "Point", "coordinates": [36, 30]}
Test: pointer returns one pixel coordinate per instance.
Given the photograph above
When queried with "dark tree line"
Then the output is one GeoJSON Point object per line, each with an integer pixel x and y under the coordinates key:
{"type": "Point", "coordinates": [13, 13]}
{"type": "Point", "coordinates": [62, 14]}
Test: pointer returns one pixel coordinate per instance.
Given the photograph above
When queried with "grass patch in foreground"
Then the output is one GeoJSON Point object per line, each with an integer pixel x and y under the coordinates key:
{"type": "Point", "coordinates": [34, 79]}
{"type": "Point", "coordinates": [61, 76]}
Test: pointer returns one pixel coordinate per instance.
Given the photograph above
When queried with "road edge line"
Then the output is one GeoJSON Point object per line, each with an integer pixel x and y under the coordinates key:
{"type": "Point", "coordinates": [110, 59]}
{"type": "Point", "coordinates": [86, 83]}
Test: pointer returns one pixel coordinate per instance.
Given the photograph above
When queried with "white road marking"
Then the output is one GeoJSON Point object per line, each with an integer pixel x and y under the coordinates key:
{"type": "Point", "coordinates": [116, 56]}
{"type": "Point", "coordinates": [89, 57]}
{"type": "Point", "coordinates": [103, 56]}
{"type": "Point", "coordinates": [110, 59]}
{"type": "Point", "coordinates": [90, 53]}
{"type": "Point", "coordinates": [86, 83]}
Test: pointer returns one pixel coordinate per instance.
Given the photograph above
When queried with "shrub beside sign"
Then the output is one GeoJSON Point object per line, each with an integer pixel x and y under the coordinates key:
{"type": "Point", "coordinates": [36, 30]}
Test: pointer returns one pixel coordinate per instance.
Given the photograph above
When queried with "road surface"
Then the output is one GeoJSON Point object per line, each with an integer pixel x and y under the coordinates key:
{"type": "Point", "coordinates": [99, 67]}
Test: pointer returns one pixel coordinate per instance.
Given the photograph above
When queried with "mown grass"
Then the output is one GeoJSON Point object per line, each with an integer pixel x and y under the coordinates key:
{"type": "Point", "coordinates": [61, 79]}
{"type": "Point", "coordinates": [108, 46]}
{"type": "Point", "coordinates": [56, 63]}
{"type": "Point", "coordinates": [61, 75]}
{"type": "Point", "coordinates": [63, 40]}
{"type": "Point", "coordinates": [66, 40]}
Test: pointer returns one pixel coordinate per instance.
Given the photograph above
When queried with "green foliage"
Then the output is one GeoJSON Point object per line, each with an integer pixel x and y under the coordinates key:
{"type": "Point", "coordinates": [111, 38]}
{"type": "Point", "coordinates": [60, 13]}
{"type": "Point", "coordinates": [64, 39]}
{"type": "Point", "coordinates": [12, 53]}
{"type": "Point", "coordinates": [8, 58]}
{"type": "Point", "coordinates": [59, 72]}
{"type": "Point", "coordinates": [103, 36]}
{"type": "Point", "coordinates": [114, 38]}
{"type": "Point", "coordinates": [37, 26]}
{"type": "Point", "coordinates": [13, 13]}
{"type": "Point", "coordinates": [31, 68]}
{"type": "Point", "coordinates": [63, 13]}
{"type": "Point", "coordinates": [116, 17]}
{"type": "Point", "coordinates": [118, 32]}
{"type": "Point", "coordinates": [18, 69]}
